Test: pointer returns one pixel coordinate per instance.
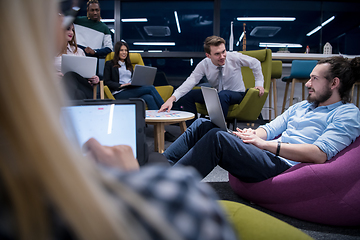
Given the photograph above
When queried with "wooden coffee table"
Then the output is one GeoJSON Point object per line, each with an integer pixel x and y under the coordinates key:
{"type": "Point", "coordinates": [159, 120]}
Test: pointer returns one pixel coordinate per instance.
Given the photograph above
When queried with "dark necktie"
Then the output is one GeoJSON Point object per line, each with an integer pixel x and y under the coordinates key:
{"type": "Point", "coordinates": [220, 78]}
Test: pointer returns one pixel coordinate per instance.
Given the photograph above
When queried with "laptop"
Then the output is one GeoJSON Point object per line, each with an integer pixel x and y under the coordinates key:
{"type": "Point", "coordinates": [213, 107]}
{"type": "Point", "coordinates": [142, 76]}
{"type": "Point", "coordinates": [84, 66]}
{"type": "Point", "coordinates": [111, 122]}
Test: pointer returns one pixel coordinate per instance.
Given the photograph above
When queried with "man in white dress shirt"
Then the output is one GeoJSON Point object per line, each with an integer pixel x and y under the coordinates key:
{"type": "Point", "coordinates": [223, 72]}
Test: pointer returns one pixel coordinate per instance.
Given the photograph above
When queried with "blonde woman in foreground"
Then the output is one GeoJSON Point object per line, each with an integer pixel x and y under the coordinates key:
{"type": "Point", "coordinates": [48, 189]}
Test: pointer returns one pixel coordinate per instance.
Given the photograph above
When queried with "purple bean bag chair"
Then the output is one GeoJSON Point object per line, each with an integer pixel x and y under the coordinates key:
{"type": "Point", "coordinates": [326, 193]}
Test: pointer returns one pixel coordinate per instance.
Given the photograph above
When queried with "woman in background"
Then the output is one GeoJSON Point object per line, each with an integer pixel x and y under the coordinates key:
{"type": "Point", "coordinates": [48, 189]}
{"type": "Point", "coordinates": [77, 87]}
{"type": "Point", "coordinates": [118, 72]}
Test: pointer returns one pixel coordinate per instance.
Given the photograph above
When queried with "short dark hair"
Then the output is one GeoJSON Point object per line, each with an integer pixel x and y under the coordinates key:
{"type": "Point", "coordinates": [348, 71]}
{"type": "Point", "coordinates": [212, 41]}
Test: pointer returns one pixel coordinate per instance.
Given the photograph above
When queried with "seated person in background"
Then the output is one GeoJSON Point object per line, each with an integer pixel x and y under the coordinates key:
{"type": "Point", "coordinates": [223, 71]}
{"type": "Point", "coordinates": [93, 36]}
{"type": "Point", "coordinates": [76, 86]}
{"type": "Point", "coordinates": [311, 131]}
{"type": "Point", "coordinates": [118, 72]}
{"type": "Point", "coordinates": [49, 190]}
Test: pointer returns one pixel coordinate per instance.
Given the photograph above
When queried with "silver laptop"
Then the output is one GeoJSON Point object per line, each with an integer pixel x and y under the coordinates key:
{"type": "Point", "coordinates": [142, 76]}
{"type": "Point", "coordinates": [213, 107]}
{"type": "Point", "coordinates": [84, 66]}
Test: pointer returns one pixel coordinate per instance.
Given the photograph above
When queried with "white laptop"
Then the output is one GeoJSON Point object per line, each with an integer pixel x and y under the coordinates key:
{"type": "Point", "coordinates": [84, 66]}
{"type": "Point", "coordinates": [213, 107]}
{"type": "Point", "coordinates": [142, 76]}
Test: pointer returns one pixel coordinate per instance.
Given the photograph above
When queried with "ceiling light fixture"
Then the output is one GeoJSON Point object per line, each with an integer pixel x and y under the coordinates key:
{"type": "Point", "coordinates": [154, 43]}
{"type": "Point", "coordinates": [267, 19]}
{"type": "Point", "coordinates": [240, 38]}
{"type": "Point", "coordinates": [126, 20]}
{"type": "Point", "coordinates": [107, 20]}
{"type": "Point", "coordinates": [177, 21]}
{"type": "Point", "coordinates": [288, 45]}
{"type": "Point", "coordinates": [134, 20]}
{"type": "Point", "coordinates": [154, 51]}
{"type": "Point", "coordinates": [319, 27]}
{"type": "Point", "coordinates": [136, 51]}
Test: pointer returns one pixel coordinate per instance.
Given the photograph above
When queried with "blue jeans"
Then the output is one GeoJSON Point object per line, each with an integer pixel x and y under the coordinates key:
{"type": "Point", "coordinates": [226, 97]}
{"type": "Point", "coordinates": [204, 146]}
{"type": "Point", "coordinates": [149, 93]}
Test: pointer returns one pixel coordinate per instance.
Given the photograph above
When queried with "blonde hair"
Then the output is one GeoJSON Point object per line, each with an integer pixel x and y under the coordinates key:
{"type": "Point", "coordinates": [38, 164]}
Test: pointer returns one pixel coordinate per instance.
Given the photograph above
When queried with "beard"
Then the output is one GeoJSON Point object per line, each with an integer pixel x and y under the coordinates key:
{"type": "Point", "coordinates": [322, 97]}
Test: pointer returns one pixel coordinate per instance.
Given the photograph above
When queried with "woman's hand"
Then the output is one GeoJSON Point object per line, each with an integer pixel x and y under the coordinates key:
{"type": "Point", "coordinates": [94, 80]}
{"type": "Point", "coordinates": [119, 156]}
{"type": "Point", "coordinates": [125, 84]}
{"type": "Point", "coordinates": [59, 74]}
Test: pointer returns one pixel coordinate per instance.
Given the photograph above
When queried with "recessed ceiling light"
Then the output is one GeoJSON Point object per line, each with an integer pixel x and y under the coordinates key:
{"type": "Point", "coordinates": [177, 21]}
{"type": "Point", "coordinates": [126, 20]}
{"type": "Point", "coordinates": [136, 51]}
{"type": "Point", "coordinates": [288, 45]}
{"type": "Point", "coordinates": [154, 43]}
{"type": "Point", "coordinates": [319, 27]}
{"type": "Point", "coordinates": [134, 20]}
{"type": "Point", "coordinates": [266, 19]}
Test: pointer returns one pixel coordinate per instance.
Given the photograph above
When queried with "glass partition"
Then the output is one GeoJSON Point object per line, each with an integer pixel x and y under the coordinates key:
{"type": "Point", "coordinates": [170, 34]}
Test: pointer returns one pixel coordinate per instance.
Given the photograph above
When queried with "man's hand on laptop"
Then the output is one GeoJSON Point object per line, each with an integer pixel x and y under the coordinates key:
{"type": "Point", "coordinates": [119, 156]}
{"type": "Point", "coordinates": [167, 105]}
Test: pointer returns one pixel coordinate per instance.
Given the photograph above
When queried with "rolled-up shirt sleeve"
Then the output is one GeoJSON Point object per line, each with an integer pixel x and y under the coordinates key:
{"type": "Point", "coordinates": [341, 132]}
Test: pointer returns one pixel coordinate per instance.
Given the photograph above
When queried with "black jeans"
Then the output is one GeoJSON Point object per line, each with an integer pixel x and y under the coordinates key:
{"type": "Point", "coordinates": [204, 146]}
{"type": "Point", "coordinates": [77, 87]}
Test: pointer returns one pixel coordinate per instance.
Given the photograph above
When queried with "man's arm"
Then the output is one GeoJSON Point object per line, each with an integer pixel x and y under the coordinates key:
{"type": "Point", "coordinates": [185, 87]}
{"type": "Point", "coordinates": [255, 65]}
{"type": "Point", "coordinates": [308, 153]}
{"type": "Point", "coordinates": [101, 52]}
{"type": "Point", "coordinates": [168, 104]}
{"type": "Point", "coordinates": [106, 49]}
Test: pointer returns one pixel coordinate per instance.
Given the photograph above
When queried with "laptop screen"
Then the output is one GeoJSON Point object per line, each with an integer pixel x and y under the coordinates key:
{"type": "Point", "coordinates": [110, 124]}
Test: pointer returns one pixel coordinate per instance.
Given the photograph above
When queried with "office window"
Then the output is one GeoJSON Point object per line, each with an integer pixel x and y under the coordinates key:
{"type": "Point", "coordinates": [340, 30]}
{"type": "Point", "coordinates": [182, 25]}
